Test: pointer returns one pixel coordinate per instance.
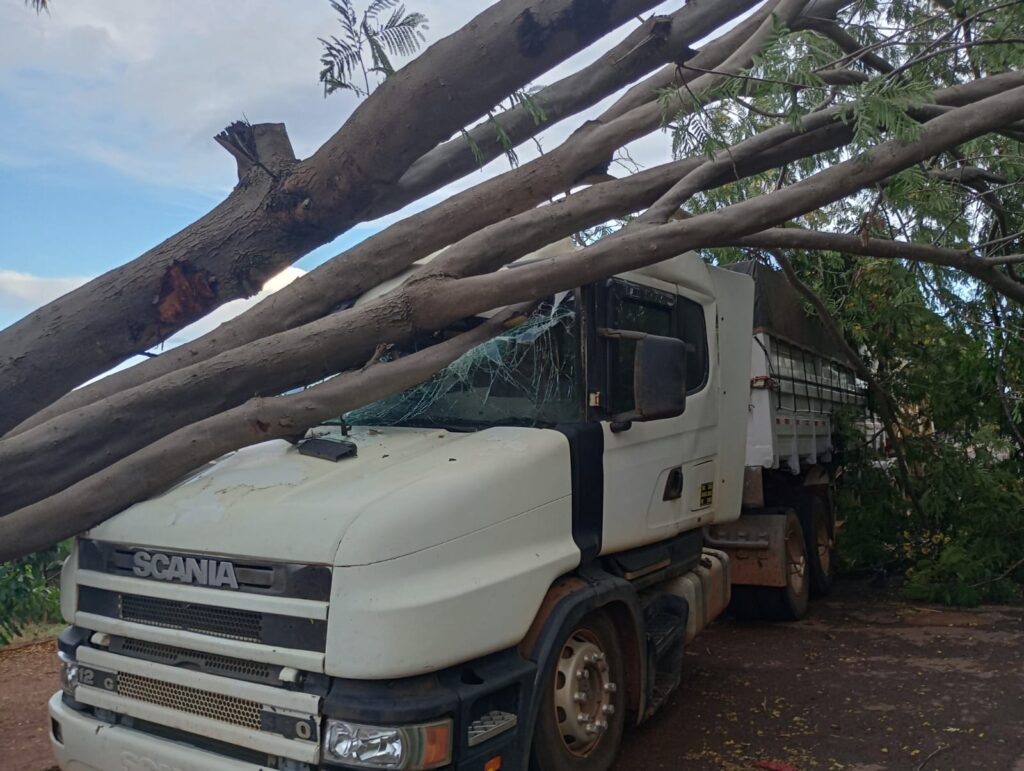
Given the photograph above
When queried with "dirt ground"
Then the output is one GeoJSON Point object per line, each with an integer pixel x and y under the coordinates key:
{"type": "Point", "coordinates": [28, 676]}
{"type": "Point", "coordinates": [862, 684]}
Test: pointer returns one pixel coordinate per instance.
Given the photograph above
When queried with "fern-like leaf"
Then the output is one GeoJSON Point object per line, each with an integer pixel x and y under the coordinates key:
{"type": "Point", "coordinates": [402, 34]}
{"type": "Point", "coordinates": [377, 7]}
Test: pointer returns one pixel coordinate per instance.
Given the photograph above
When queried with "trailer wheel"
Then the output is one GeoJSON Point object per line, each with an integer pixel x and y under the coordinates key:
{"type": "Point", "coordinates": [789, 602]}
{"type": "Point", "coordinates": [817, 525]}
{"type": "Point", "coordinates": [581, 715]}
{"type": "Point", "coordinates": [778, 603]}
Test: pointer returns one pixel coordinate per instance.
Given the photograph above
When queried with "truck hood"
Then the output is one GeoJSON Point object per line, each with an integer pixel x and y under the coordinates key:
{"type": "Point", "coordinates": [406, 490]}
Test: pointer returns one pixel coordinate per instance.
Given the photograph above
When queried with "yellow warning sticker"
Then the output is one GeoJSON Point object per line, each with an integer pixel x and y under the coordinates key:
{"type": "Point", "coordinates": [707, 494]}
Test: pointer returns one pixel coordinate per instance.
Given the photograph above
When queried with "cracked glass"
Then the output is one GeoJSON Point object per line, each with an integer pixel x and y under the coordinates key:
{"type": "Point", "coordinates": [528, 376]}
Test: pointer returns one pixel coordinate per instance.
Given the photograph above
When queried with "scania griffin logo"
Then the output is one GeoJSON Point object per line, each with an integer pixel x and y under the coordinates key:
{"type": "Point", "coordinates": [184, 570]}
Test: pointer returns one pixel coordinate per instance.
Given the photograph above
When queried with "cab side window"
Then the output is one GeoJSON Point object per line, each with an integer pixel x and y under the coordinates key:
{"type": "Point", "coordinates": [691, 329]}
{"type": "Point", "coordinates": [643, 309]}
{"type": "Point", "coordinates": [652, 318]}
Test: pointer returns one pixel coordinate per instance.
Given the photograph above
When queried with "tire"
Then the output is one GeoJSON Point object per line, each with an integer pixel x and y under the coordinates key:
{"type": "Point", "coordinates": [745, 604]}
{"type": "Point", "coordinates": [561, 742]}
{"type": "Point", "coordinates": [789, 602]}
{"type": "Point", "coordinates": [816, 521]}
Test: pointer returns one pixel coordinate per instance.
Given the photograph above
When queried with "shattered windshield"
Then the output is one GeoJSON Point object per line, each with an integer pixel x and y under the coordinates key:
{"type": "Point", "coordinates": [527, 376]}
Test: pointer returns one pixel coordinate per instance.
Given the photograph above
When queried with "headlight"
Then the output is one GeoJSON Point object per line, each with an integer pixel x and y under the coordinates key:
{"type": "Point", "coordinates": [408, 748]}
{"type": "Point", "coordinates": [68, 673]}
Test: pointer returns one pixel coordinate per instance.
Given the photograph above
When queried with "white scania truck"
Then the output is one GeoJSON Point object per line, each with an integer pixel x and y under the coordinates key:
{"type": "Point", "coordinates": [494, 570]}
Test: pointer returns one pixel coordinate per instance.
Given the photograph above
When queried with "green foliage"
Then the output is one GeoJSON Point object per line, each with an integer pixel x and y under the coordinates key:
{"type": "Point", "coordinates": [968, 549]}
{"type": "Point", "coordinates": [966, 543]}
{"type": "Point", "coordinates": [525, 98]}
{"type": "Point", "coordinates": [29, 591]}
{"type": "Point", "coordinates": [385, 29]}
{"type": "Point", "coordinates": [880, 110]}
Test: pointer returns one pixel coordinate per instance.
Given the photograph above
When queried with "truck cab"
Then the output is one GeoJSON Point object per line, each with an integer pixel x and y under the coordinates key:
{"type": "Point", "coordinates": [496, 569]}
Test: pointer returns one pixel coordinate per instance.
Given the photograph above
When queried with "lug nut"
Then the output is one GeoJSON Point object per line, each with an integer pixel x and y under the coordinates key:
{"type": "Point", "coordinates": [610, 687]}
{"type": "Point", "coordinates": [579, 674]}
{"type": "Point", "coordinates": [608, 709]}
{"type": "Point", "coordinates": [601, 725]}
{"type": "Point", "coordinates": [579, 697]}
{"type": "Point", "coordinates": [583, 717]}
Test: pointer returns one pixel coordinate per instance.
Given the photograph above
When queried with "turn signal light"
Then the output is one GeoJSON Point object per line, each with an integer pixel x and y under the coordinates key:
{"type": "Point", "coordinates": [437, 744]}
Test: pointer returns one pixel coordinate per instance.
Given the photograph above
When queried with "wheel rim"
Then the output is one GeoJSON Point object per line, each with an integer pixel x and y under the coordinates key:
{"type": "Point", "coordinates": [584, 693]}
{"type": "Point", "coordinates": [823, 543]}
{"type": "Point", "coordinates": [796, 560]}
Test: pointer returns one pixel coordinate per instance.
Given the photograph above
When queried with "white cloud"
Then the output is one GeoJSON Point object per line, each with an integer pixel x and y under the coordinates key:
{"type": "Point", "coordinates": [143, 87]}
{"type": "Point", "coordinates": [23, 292]}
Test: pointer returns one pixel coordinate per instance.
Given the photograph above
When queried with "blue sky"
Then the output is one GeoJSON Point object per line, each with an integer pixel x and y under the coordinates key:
{"type": "Point", "coordinates": [109, 111]}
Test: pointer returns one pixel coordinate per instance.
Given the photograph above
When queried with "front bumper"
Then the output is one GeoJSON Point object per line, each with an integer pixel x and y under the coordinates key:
{"type": "Point", "coordinates": [502, 681]}
{"type": "Point", "coordinates": [89, 744]}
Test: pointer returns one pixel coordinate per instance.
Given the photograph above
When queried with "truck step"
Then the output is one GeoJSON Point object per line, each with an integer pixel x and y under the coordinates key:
{"type": "Point", "coordinates": [665, 632]}
{"type": "Point", "coordinates": [665, 617]}
{"type": "Point", "coordinates": [664, 686]}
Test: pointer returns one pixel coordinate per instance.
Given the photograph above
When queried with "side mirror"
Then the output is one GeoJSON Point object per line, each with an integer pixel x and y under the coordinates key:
{"type": "Point", "coordinates": [659, 375]}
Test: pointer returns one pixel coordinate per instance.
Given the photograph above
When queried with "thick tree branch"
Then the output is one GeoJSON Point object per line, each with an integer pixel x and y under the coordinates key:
{"type": "Point", "coordinates": [382, 256]}
{"type": "Point", "coordinates": [658, 40]}
{"type": "Point", "coordinates": [385, 254]}
{"type": "Point", "coordinates": [158, 465]}
{"type": "Point", "coordinates": [433, 302]}
{"type": "Point", "coordinates": [267, 224]}
{"type": "Point", "coordinates": [798, 238]}
{"type": "Point", "coordinates": [729, 157]}
{"type": "Point", "coordinates": [673, 76]}
{"type": "Point", "coordinates": [294, 358]}
{"type": "Point", "coordinates": [1005, 259]}
{"type": "Point", "coordinates": [630, 251]}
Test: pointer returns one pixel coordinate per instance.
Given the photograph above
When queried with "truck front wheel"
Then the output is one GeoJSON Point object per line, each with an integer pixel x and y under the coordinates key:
{"type": "Point", "coordinates": [581, 715]}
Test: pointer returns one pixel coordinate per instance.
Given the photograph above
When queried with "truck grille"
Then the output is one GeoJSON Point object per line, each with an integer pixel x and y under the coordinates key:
{"type": "Point", "coordinates": [214, 706]}
{"type": "Point", "coordinates": [208, 619]}
{"type": "Point", "coordinates": [251, 626]}
{"type": "Point", "coordinates": [206, 662]}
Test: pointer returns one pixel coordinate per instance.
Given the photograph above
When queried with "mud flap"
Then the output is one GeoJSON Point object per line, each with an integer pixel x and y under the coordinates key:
{"type": "Point", "coordinates": [756, 545]}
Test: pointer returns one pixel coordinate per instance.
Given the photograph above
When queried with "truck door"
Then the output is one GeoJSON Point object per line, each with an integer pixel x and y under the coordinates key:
{"type": "Point", "coordinates": [658, 475]}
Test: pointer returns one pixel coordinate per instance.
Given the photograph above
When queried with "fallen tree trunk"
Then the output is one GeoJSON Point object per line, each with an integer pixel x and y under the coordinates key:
{"type": "Point", "coordinates": [96, 437]}
{"type": "Point", "coordinates": [385, 254]}
{"type": "Point", "coordinates": [295, 357]}
{"type": "Point", "coordinates": [282, 209]}
{"type": "Point", "coordinates": [258, 420]}
{"type": "Point", "coordinates": [659, 40]}
{"type": "Point", "coordinates": [434, 300]}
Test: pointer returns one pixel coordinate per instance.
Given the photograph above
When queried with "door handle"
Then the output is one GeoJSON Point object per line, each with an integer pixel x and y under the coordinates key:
{"type": "Point", "coordinates": [673, 485]}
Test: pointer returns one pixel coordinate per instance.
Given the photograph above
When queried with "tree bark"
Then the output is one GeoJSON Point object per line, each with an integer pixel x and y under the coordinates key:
{"type": "Point", "coordinates": [224, 380]}
{"type": "Point", "coordinates": [660, 39]}
{"type": "Point", "coordinates": [434, 301]}
{"type": "Point", "coordinates": [798, 238]}
{"type": "Point", "coordinates": [385, 254]}
{"type": "Point", "coordinates": [157, 466]}
{"type": "Point", "coordinates": [282, 209]}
